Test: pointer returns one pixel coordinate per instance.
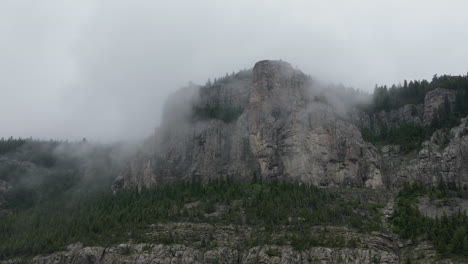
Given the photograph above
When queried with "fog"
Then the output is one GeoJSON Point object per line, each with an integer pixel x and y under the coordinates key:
{"type": "Point", "coordinates": [103, 69]}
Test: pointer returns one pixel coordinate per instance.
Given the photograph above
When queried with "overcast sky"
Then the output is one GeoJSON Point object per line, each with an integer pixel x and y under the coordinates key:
{"type": "Point", "coordinates": [102, 69]}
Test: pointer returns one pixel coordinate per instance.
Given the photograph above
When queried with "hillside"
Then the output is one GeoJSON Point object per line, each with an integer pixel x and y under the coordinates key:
{"type": "Point", "coordinates": [266, 165]}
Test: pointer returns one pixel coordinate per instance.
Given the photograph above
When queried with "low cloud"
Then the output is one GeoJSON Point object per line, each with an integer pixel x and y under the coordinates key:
{"type": "Point", "coordinates": [103, 69]}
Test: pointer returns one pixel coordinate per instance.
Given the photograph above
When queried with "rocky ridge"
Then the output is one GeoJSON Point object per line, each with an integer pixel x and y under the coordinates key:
{"type": "Point", "coordinates": [285, 130]}
{"type": "Point", "coordinates": [443, 157]}
{"type": "Point", "coordinates": [419, 114]}
{"type": "Point", "coordinates": [369, 248]}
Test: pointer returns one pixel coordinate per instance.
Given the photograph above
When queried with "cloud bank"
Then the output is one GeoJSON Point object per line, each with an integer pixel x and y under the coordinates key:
{"type": "Point", "coordinates": [103, 69]}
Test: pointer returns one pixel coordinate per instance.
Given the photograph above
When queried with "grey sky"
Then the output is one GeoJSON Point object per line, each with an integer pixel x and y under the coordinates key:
{"type": "Point", "coordinates": [102, 69]}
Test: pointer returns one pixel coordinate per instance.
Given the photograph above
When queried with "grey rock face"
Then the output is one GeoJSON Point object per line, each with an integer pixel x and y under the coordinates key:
{"type": "Point", "coordinates": [439, 207]}
{"type": "Point", "coordinates": [393, 118]}
{"type": "Point", "coordinates": [283, 131]}
{"type": "Point", "coordinates": [226, 246]}
{"type": "Point", "coordinates": [420, 114]}
{"type": "Point", "coordinates": [443, 157]}
{"type": "Point", "coordinates": [435, 99]}
{"type": "Point", "coordinates": [147, 253]}
{"type": "Point", "coordinates": [286, 129]}
{"type": "Point", "coordinates": [379, 249]}
{"type": "Point", "coordinates": [405, 114]}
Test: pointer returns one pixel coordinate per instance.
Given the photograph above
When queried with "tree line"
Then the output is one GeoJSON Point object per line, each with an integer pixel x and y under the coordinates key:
{"type": "Point", "coordinates": [413, 92]}
{"type": "Point", "coordinates": [101, 218]}
{"type": "Point", "coordinates": [410, 135]}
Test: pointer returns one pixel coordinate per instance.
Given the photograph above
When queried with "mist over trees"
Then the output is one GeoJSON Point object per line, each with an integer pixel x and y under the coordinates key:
{"type": "Point", "coordinates": [410, 136]}
{"type": "Point", "coordinates": [388, 98]}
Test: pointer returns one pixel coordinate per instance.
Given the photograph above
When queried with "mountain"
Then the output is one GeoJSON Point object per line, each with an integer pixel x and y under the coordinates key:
{"type": "Point", "coordinates": [275, 122]}
{"type": "Point", "coordinates": [272, 121]}
{"type": "Point", "coordinates": [266, 165]}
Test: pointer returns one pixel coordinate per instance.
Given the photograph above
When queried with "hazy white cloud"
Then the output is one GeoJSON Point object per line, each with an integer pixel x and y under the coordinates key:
{"type": "Point", "coordinates": [102, 69]}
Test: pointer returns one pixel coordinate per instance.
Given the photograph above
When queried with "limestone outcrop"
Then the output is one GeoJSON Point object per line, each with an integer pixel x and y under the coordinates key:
{"type": "Point", "coordinates": [367, 248]}
{"type": "Point", "coordinates": [276, 122]}
{"type": "Point", "coordinates": [435, 99]}
{"type": "Point", "coordinates": [271, 122]}
{"type": "Point", "coordinates": [443, 157]}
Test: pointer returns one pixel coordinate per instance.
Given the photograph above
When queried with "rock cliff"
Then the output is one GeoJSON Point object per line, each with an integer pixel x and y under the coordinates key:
{"type": "Point", "coordinates": [365, 249]}
{"type": "Point", "coordinates": [435, 99]}
{"type": "Point", "coordinates": [276, 122]}
{"type": "Point", "coordinates": [420, 114]}
{"type": "Point", "coordinates": [271, 122]}
{"type": "Point", "coordinates": [443, 157]}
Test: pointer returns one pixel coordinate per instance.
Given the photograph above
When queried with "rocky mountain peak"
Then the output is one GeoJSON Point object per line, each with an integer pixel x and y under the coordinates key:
{"type": "Point", "coordinates": [265, 124]}
{"type": "Point", "coordinates": [278, 80]}
{"type": "Point", "coordinates": [271, 69]}
{"type": "Point", "coordinates": [274, 122]}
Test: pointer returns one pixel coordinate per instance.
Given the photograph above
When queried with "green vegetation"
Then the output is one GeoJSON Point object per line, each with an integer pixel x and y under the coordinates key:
{"type": "Point", "coordinates": [101, 218]}
{"type": "Point", "coordinates": [273, 252]}
{"type": "Point", "coordinates": [214, 109]}
{"type": "Point", "coordinates": [324, 239]}
{"type": "Point", "coordinates": [225, 113]}
{"type": "Point", "coordinates": [40, 170]}
{"type": "Point", "coordinates": [410, 136]}
{"type": "Point", "coordinates": [11, 144]}
{"type": "Point", "coordinates": [414, 92]}
{"type": "Point", "coordinates": [449, 234]}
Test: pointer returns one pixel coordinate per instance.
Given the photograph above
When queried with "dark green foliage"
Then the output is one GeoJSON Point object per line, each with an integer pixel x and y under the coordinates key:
{"type": "Point", "coordinates": [445, 117]}
{"type": "Point", "coordinates": [397, 96]}
{"type": "Point", "coordinates": [38, 152]}
{"type": "Point", "coordinates": [217, 110]}
{"type": "Point", "coordinates": [410, 136]}
{"type": "Point", "coordinates": [225, 113]}
{"type": "Point", "coordinates": [352, 243]}
{"type": "Point", "coordinates": [273, 252]}
{"type": "Point", "coordinates": [449, 234]}
{"type": "Point", "coordinates": [15, 152]}
{"type": "Point", "coordinates": [101, 218]}
{"type": "Point", "coordinates": [323, 239]}
{"type": "Point", "coordinates": [45, 188]}
{"type": "Point", "coordinates": [39, 172]}
{"type": "Point", "coordinates": [10, 172]}
{"type": "Point", "coordinates": [11, 144]}
{"type": "Point", "coordinates": [240, 75]}
{"type": "Point", "coordinates": [414, 92]}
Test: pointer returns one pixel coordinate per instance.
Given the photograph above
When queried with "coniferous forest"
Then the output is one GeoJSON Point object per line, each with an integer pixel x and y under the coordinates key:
{"type": "Point", "coordinates": [102, 218]}
{"type": "Point", "coordinates": [409, 135]}
{"type": "Point", "coordinates": [449, 233]}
